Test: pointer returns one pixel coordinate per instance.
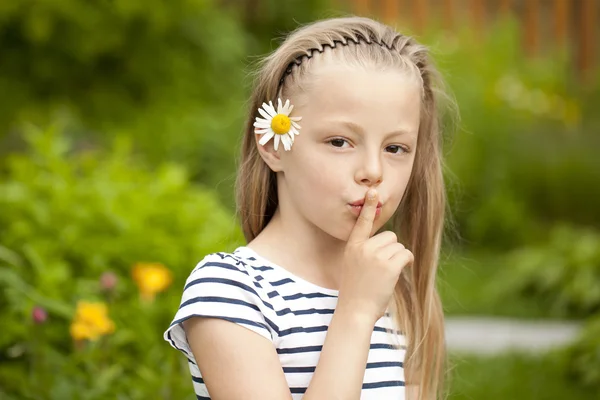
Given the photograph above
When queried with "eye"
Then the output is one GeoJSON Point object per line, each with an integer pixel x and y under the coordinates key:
{"type": "Point", "coordinates": [337, 142]}
{"type": "Point", "coordinates": [395, 149]}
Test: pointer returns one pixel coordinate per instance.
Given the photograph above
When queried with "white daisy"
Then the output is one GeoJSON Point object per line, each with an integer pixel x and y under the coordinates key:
{"type": "Point", "coordinates": [278, 124]}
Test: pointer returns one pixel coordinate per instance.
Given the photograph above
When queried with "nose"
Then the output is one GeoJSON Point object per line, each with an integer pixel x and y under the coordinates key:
{"type": "Point", "coordinates": [370, 170]}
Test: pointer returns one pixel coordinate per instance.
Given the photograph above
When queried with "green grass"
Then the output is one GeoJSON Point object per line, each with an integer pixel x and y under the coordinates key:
{"type": "Point", "coordinates": [468, 286]}
{"type": "Point", "coordinates": [512, 377]}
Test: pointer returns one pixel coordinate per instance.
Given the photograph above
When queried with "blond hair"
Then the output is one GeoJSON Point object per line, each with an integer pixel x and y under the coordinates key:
{"type": "Point", "coordinates": [420, 216]}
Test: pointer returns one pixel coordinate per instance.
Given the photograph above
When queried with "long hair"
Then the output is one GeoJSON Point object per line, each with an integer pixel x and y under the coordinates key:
{"type": "Point", "coordinates": [419, 219]}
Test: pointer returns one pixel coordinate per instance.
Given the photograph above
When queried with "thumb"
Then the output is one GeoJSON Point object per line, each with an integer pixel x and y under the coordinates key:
{"type": "Point", "coordinates": [364, 223]}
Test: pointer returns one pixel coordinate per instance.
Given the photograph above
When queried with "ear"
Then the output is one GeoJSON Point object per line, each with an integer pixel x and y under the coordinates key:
{"type": "Point", "coordinates": [269, 155]}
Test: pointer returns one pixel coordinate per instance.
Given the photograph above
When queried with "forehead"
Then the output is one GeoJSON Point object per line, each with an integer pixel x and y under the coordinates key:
{"type": "Point", "coordinates": [377, 100]}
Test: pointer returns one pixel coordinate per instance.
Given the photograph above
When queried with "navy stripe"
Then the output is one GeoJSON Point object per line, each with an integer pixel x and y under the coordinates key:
{"type": "Point", "coordinates": [230, 283]}
{"type": "Point", "coordinates": [198, 397]}
{"type": "Point", "coordinates": [307, 296]}
{"type": "Point", "coordinates": [295, 390]}
{"type": "Point", "coordinates": [223, 281]}
{"type": "Point", "coordinates": [384, 330]}
{"type": "Point", "coordinates": [217, 299]}
{"type": "Point", "coordinates": [376, 385]}
{"type": "Point", "coordinates": [299, 329]}
{"type": "Point", "coordinates": [308, 349]}
{"type": "Point", "coordinates": [220, 265]}
{"type": "Point", "coordinates": [380, 329]}
{"type": "Point", "coordinates": [198, 379]}
{"type": "Point", "coordinates": [234, 258]}
{"type": "Point", "coordinates": [304, 370]}
{"type": "Point", "coordinates": [295, 370]}
{"type": "Point", "coordinates": [386, 346]}
{"type": "Point", "coordinates": [282, 282]}
{"type": "Point", "coordinates": [306, 312]}
{"type": "Point", "coordinates": [272, 324]}
{"type": "Point", "coordinates": [174, 345]}
{"type": "Point", "coordinates": [230, 319]}
{"type": "Point", "coordinates": [272, 294]}
{"type": "Point", "coordinates": [294, 350]}
{"type": "Point", "coordinates": [263, 268]}
{"type": "Point", "coordinates": [384, 364]}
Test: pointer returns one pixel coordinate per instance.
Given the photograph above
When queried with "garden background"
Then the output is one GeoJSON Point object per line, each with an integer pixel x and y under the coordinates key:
{"type": "Point", "coordinates": [119, 126]}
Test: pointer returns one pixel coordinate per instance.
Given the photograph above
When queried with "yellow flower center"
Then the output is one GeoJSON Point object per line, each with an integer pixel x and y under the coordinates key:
{"type": "Point", "coordinates": [281, 124]}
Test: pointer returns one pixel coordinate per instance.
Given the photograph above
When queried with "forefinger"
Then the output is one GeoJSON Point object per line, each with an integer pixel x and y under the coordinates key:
{"type": "Point", "coordinates": [364, 224]}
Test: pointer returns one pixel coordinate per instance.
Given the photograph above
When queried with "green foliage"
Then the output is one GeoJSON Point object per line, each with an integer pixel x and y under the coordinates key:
{"type": "Point", "coordinates": [524, 155]}
{"type": "Point", "coordinates": [69, 215]}
{"type": "Point", "coordinates": [513, 376]}
{"type": "Point", "coordinates": [583, 358]}
{"type": "Point", "coordinates": [563, 274]}
{"type": "Point", "coordinates": [103, 58]}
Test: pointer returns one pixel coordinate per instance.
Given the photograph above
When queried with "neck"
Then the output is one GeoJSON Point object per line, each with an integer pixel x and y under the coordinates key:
{"type": "Point", "coordinates": [297, 245]}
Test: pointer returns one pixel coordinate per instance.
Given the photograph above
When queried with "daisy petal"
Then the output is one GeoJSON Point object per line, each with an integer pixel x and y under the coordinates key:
{"type": "Point", "coordinates": [259, 119]}
{"type": "Point", "coordinates": [295, 125]}
{"type": "Point", "coordinates": [286, 107]}
{"type": "Point", "coordinates": [265, 114]}
{"type": "Point", "coordinates": [285, 139]}
{"type": "Point", "coordinates": [260, 126]}
{"type": "Point", "coordinates": [269, 110]}
{"type": "Point", "coordinates": [261, 131]}
{"type": "Point", "coordinates": [291, 135]}
{"type": "Point", "coordinates": [293, 131]}
{"type": "Point", "coordinates": [296, 118]}
{"type": "Point", "coordinates": [272, 108]}
{"type": "Point", "coordinates": [265, 138]}
{"type": "Point", "coordinates": [279, 106]}
{"type": "Point", "coordinates": [277, 139]}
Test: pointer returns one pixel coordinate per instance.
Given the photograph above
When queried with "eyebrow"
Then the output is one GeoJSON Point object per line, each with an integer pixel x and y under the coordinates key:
{"type": "Point", "coordinates": [360, 130]}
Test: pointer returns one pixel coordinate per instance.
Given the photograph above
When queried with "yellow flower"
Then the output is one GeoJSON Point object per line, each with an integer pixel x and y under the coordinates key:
{"type": "Point", "coordinates": [151, 278]}
{"type": "Point", "coordinates": [91, 321]}
{"type": "Point", "coordinates": [277, 123]}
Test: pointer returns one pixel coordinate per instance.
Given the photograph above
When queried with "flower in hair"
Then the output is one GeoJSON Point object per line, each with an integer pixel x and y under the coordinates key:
{"type": "Point", "coordinates": [277, 124]}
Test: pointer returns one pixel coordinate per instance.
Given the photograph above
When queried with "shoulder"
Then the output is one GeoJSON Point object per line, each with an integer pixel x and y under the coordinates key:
{"type": "Point", "coordinates": [224, 286]}
{"type": "Point", "coordinates": [227, 286]}
{"type": "Point", "coordinates": [235, 269]}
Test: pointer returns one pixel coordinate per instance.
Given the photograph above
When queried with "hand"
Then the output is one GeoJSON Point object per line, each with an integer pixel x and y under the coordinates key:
{"type": "Point", "coordinates": [372, 265]}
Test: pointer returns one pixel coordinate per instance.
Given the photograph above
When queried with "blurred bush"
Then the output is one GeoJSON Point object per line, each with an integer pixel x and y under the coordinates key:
{"type": "Point", "coordinates": [583, 358]}
{"type": "Point", "coordinates": [170, 74]}
{"type": "Point", "coordinates": [563, 274]}
{"type": "Point", "coordinates": [102, 58]}
{"type": "Point", "coordinates": [90, 242]}
{"type": "Point", "coordinates": [524, 157]}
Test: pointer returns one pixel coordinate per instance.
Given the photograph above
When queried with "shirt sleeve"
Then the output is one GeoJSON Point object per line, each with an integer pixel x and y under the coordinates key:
{"type": "Point", "coordinates": [222, 286]}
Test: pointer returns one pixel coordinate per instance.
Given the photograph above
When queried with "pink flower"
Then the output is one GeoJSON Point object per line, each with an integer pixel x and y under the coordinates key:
{"type": "Point", "coordinates": [39, 315]}
{"type": "Point", "coordinates": [108, 280]}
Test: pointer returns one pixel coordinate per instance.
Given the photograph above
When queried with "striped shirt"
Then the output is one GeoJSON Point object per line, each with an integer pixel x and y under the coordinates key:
{"type": "Point", "coordinates": [246, 289]}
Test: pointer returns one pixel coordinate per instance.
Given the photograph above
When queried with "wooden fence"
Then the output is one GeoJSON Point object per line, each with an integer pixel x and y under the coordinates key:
{"type": "Point", "coordinates": [570, 24]}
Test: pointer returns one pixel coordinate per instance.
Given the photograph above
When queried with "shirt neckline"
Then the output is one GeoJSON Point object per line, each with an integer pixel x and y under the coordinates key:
{"type": "Point", "coordinates": [295, 278]}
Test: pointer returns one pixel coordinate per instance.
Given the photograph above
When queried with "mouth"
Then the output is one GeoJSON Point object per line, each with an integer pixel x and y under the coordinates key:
{"type": "Point", "coordinates": [357, 206]}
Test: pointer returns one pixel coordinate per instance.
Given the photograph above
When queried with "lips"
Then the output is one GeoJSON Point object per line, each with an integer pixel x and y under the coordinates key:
{"type": "Point", "coordinates": [361, 203]}
{"type": "Point", "coordinates": [357, 206]}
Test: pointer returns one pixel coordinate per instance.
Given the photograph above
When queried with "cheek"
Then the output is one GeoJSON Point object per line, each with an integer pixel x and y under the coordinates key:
{"type": "Point", "coordinates": [317, 177]}
{"type": "Point", "coordinates": [396, 190]}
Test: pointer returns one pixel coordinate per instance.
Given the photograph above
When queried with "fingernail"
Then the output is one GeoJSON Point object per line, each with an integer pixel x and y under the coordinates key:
{"type": "Point", "coordinates": [371, 193]}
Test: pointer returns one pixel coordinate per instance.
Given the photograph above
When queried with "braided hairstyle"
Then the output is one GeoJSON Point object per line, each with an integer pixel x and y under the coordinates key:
{"type": "Point", "coordinates": [418, 222]}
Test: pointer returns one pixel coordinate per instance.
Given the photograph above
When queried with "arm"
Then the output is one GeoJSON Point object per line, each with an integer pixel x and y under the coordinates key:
{"type": "Point", "coordinates": [239, 364]}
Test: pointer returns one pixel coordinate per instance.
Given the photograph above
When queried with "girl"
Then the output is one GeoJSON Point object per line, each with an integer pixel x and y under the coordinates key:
{"type": "Point", "coordinates": [342, 137]}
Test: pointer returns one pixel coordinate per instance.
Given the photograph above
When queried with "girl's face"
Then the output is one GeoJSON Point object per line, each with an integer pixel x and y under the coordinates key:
{"type": "Point", "coordinates": [359, 130]}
